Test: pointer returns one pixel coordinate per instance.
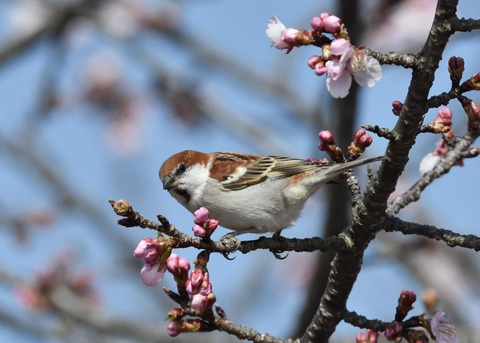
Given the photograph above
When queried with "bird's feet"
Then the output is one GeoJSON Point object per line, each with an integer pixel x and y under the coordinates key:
{"type": "Point", "coordinates": [277, 252]}
{"type": "Point", "coordinates": [231, 243]}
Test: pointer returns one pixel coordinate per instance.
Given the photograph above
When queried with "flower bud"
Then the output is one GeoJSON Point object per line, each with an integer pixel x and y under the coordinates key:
{"type": "Point", "coordinates": [361, 337]}
{"type": "Point", "coordinates": [317, 24]}
{"type": "Point", "coordinates": [405, 304]}
{"type": "Point", "coordinates": [176, 327]}
{"type": "Point", "coordinates": [473, 112]}
{"type": "Point", "coordinates": [397, 107]}
{"type": "Point", "coordinates": [474, 82]}
{"type": "Point", "coordinates": [326, 137]}
{"type": "Point", "coordinates": [361, 141]}
{"type": "Point", "coordinates": [332, 24]}
{"type": "Point", "coordinates": [179, 267]}
{"type": "Point", "coordinates": [443, 121]}
{"type": "Point", "coordinates": [175, 313]}
{"type": "Point", "coordinates": [456, 67]}
{"type": "Point", "coordinates": [393, 332]}
{"type": "Point", "coordinates": [314, 60]}
{"type": "Point", "coordinates": [416, 336]}
{"type": "Point", "coordinates": [205, 225]}
{"type": "Point", "coordinates": [121, 207]}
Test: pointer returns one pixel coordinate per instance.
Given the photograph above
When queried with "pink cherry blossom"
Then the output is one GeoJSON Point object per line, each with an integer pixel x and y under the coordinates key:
{"type": "Point", "coordinates": [347, 62]}
{"type": "Point", "coordinates": [275, 30]}
{"type": "Point", "coordinates": [443, 330]}
{"type": "Point", "coordinates": [284, 38]}
{"type": "Point", "coordinates": [155, 253]}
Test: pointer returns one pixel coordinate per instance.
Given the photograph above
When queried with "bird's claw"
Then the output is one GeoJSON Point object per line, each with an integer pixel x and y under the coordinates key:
{"type": "Point", "coordinates": [230, 242]}
{"type": "Point", "coordinates": [277, 254]}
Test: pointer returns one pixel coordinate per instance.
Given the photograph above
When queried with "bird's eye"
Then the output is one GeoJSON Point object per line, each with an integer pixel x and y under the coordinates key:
{"type": "Point", "coordinates": [182, 167]}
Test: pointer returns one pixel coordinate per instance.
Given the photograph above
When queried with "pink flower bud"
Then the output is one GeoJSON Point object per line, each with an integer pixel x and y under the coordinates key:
{"type": "Point", "coordinates": [405, 304]}
{"type": "Point", "coordinates": [290, 35]}
{"type": "Point", "coordinates": [176, 263]}
{"type": "Point", "coordinates": [194, 283]}
{"type": "Point", "coordinates": [320, 68]}
{"type": "Point", "coordinates": [205, 286]}
{"type": "Point", "coordinates": [317, 24]}
{"type": "Point", "coordinates": [361, 337]}
{"type": "Point", "coordinates": [397, 107]}
{"type": "Point", "coordinates": [200, 216]}
{"type": "Point", "coordinates": [443, 121]}
{"type": "Point", "coordinates": [474, 82]}
{"type": "Point", "coordinates": [394, 331]}
{"type": "Point", "coordinates": [363, 139]}
{"type": "Point", "coordinates": [157, 251]}
{"type": "Point", "coordinates": [211, 224]}
{"type": "Point", "coordinates": [314, 60]}
{"type": "Point", "coordinates": [473, 112]}
{"type": "Point", "coordinates": [179, 267]}
{"type": "Point", "coordinates": [202, 302]}
{"type": "Point", "coordinates": [199, 231]}
{"type": "Point", "coordinates": [445, 116]}
{"type": "Point", "coordinates": [175, 328]}
{"type": "Point", "coordinates": [139, 250]}
{"type": "Point", "coordinates": [326, 137]}
{"type": "Point", "coordinates": [324, 15]}
{"type": "Point", "coordinates": [332, 24]}
{"type": "Point", "coordinates": [373, 336]}
{"type": "Point", "coordinates": [295, 37]}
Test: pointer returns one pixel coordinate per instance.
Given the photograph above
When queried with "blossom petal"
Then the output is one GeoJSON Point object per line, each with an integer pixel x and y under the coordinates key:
{"type": "Point", "coordinates": [371, 72]}
{"type": "Point", "coordinates": [152, 275]}
{"type": "Point", "coordinates": [339, 46]}
{"type": "Point", "coordinates": [443, 330]}
{"type": "Point", "coordinates": [340, 87]}
{"type": "Point", "coordinates": [429, 161]}
{"type": "Point", "coordinates": [275, 30]}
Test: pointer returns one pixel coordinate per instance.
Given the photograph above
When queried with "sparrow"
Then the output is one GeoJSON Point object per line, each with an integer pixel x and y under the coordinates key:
{"type": "Point", "coordinates": [245, 192]}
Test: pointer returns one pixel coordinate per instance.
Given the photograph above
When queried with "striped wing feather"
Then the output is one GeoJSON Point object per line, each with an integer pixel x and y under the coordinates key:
{"type": "Point", "coordinates": [272, 167]}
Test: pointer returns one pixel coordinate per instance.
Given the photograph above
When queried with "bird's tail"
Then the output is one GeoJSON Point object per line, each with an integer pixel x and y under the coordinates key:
{"type": "Point", "coordinates": [334, 170]}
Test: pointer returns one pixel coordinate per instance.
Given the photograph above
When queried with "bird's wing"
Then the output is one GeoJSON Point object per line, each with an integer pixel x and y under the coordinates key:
{"type": "Point", "coordinates": [260, 168]}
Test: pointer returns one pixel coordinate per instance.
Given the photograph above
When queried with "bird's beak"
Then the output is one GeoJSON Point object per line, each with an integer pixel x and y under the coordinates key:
{"type": "Point", "coordinates": [168, 182]}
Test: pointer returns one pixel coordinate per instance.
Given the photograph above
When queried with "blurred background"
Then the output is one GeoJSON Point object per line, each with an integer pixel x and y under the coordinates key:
{"type": "Point", "coordinates": [95, 95]}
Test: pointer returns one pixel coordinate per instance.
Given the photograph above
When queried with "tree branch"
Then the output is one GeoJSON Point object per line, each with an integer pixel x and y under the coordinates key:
{"type": "Point", "coordinates": [452, 239]}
